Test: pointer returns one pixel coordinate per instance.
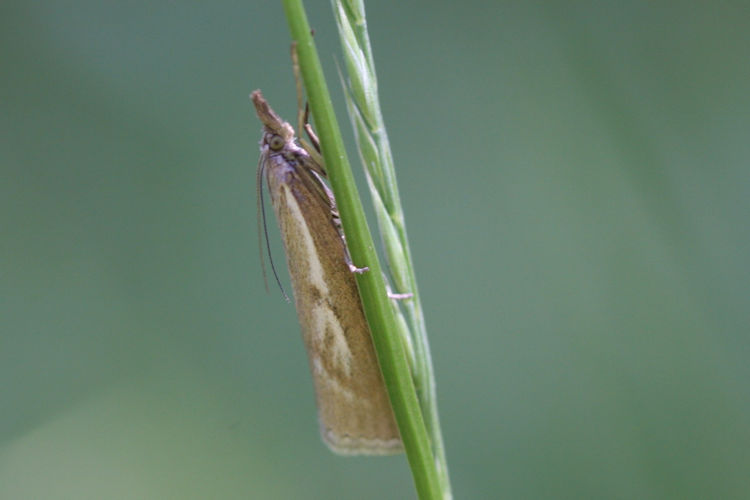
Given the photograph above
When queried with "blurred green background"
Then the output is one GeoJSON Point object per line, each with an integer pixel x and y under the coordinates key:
{"type": "Point", "coordinates": [577, 191]}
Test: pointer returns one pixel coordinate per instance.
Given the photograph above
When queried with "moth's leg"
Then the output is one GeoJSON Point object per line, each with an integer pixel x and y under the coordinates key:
{"type": "Point", "coordinates": [349, 263]}
{"type": "Point", "coordinates": [301, 108]}
{"type": "Point", "coordinates": [395, 296]}
{"type": "Point", "coordinates": [314, 152]}
{"type": "Point", "coordinates": [309, 130]}
{"type": "Point", "coordinates": [303, 112]}
{"type": "Point", "coordinates": [347, 257]}
{"type": "Point", "coordinates": [355, 269]}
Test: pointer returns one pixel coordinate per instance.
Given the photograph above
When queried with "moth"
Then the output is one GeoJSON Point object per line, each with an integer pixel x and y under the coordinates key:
{"type": "Point", "coordinates": [354, 411]}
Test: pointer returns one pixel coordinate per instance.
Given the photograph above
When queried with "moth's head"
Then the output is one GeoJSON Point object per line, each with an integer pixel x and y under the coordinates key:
{"type": "Point", "coordinates": [277, 132]}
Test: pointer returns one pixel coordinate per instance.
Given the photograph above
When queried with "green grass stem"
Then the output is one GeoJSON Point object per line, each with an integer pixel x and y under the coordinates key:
{"type": "Point", "coordinates": [375, 153]}
{"type": "Point", "coordinates": [384, 324]}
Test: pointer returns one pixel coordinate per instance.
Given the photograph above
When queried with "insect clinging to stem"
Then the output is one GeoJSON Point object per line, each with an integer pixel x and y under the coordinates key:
{"type": "Point", "coordinates": [354, 411]}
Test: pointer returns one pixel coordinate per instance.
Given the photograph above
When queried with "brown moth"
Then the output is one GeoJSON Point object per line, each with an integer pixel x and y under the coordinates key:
{"type": "Point", "coordinates": [354, 411]}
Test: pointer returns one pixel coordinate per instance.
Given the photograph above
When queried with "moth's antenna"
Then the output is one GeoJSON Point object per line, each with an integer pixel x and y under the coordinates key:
{"type": "Point", "coordinates": [261, 217]}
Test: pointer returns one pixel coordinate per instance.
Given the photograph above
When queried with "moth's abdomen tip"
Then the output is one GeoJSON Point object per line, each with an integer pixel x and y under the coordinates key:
{"type": "Point", "coordinates": [343, 443]}
{"type": "Point", "coordinates": [346, 445]}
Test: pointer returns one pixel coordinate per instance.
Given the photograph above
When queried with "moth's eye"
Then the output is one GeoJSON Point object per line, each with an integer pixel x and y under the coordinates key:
{"type": "Point", "coordinates": [275, 142]}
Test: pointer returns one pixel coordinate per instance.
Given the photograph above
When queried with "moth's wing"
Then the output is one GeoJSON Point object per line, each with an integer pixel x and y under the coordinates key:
{"type": "Point", "coordinates": [353, 407]}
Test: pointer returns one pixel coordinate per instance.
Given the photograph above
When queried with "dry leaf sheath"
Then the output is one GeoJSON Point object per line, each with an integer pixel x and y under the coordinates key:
{"type": "Point", "coordinates": [353, 408]}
